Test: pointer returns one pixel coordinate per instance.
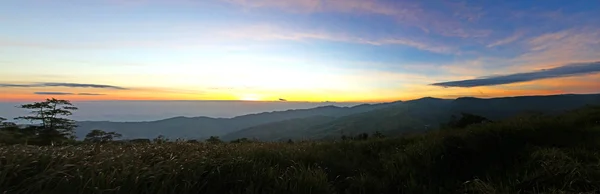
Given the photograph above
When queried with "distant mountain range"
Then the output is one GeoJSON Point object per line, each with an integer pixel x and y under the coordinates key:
{"type": "Point", "coordinates": [202, 127]}
{"type": "Point", "coordinates": [332, 122]}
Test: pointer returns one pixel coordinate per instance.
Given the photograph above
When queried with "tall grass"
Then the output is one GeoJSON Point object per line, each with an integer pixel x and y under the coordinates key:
{"type": "Point", "coordinates": [528, 154]}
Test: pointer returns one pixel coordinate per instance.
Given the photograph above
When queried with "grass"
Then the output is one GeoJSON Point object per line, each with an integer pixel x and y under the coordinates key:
{"type": "Point", "coordinates": [527, 154]}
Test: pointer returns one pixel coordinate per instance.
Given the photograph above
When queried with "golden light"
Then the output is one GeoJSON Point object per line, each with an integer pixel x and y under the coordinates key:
{"type": "Point", "coordinates": [250, 97]}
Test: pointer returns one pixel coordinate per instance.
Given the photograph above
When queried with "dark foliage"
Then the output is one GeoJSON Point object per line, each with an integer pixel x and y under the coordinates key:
{"type": "Point", "coordinates": [525, 154]}
{"type": "Point", "coordinates": [49, 122]}
{"type": "Point", "coordinates": [214, 140]}
{"type": "Point", "coordinates": [99, 136]}
{"type": "Point", "coordinates": [192, 141]}
{"type": "Point", "coordinates": [465, 120]}
{"type": "Point", "coordinates": [240, 140]}
{"type": "Point", "coordinates": [140, 141]}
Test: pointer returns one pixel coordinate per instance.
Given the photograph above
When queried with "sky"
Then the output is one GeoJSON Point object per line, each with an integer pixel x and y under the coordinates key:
{"type": "Point", "coordinates": [296, 50]}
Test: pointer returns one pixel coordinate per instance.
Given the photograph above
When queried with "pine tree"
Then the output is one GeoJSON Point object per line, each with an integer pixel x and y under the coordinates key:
{"type": "Point", "coordinates": [50, 119]}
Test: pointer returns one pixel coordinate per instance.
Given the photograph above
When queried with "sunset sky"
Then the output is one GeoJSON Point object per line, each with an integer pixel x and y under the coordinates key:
{"type": "Point", "coordinates": [298, 50]}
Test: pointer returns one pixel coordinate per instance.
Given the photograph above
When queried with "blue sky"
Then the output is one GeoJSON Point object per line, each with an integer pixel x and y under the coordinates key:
{"type": "Point", "coordinates": [304, 50]}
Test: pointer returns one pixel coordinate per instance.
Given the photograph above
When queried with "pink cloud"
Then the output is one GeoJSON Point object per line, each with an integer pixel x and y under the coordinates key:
{"type": "Point", "coordinates": [566, 46]}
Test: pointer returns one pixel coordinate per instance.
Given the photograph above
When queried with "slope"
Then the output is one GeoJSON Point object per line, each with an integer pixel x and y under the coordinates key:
{"type": "Point", "coordinates": [420, 115]}
{"type": "Point", "coordinates": [201, 127]}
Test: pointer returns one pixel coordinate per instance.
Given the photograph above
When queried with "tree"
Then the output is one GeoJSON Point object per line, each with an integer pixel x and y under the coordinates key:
{"type": "Point", "coordinates": [240, 140]}
{"type": "Point", "coordinates": [99, 136]}
{"type": "Point", "coordinates": [140, 141]}
{"type": "Point", "coordinates": [50, 117]}
{"type": "Point", "coordinates": [160, 139]}
{"type": "Point", "coordinates": [192, 141]}
{"type": "Point", "coordinates": [465, 120]}
{"type": "Point", "coordinates": [4, 124]}
{"type": "Point", "coordinates": [378, 134]}
{"type": "Point", "coordinates": [8, 126]}
{"type": "Point", "coordinates": [362, 136]}
{"type": "Point", "coordinates": [214, 139]}
{"type": "Point", "coordinates": [10, 133]}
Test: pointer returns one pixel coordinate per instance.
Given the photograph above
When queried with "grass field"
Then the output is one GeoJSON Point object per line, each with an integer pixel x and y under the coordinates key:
{"type": "Point", "coordinates": [526, 154]}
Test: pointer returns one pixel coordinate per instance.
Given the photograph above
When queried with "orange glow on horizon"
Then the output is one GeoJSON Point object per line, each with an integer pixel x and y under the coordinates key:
{"type": "Point", "coordinates": [584, 84]}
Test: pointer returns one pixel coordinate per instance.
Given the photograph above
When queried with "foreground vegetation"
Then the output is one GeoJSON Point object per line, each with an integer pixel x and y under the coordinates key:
{"type": "Point", "coordinates": [526, 154]}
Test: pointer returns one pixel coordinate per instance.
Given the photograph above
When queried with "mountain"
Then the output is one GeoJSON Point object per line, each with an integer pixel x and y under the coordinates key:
{"type": "Point", "coordinates": [201, 127]}
{"type": "Point", "coordinates": [282, 130]}
{"type": "Point", "coordinates": [498, 108]}
{"type": "Point", "coordinates": [415, 116]}
{"type": "Point", "coordinates": [332, 122]}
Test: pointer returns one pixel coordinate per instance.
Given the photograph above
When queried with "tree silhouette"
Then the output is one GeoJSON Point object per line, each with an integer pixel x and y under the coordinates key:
{"type": "Point", "coordinates": [99, 136]}
{"type": "Point", "coordinates": [50, 117]}
{"type": "Point", "coordinates": [160, 139]}
{"type": "Point", "coordinates": [192, 141]}
{"type": "Point", "coordinates": [8, 126]}
{"type": "Point", "coordinates": [465, 120]}
{"type": "Point", "coordinates": [378, 134]}
{"type": "Point", "coordinates": [241, 140]}
{"type": "Point", "coordinates": [4, 124]}
{"type": "Point", "coordinates": [362, 136]}
{"type": "Point", "coordinates": [214, 139]}
{"type": "Point", "coordinates": [140, 141]}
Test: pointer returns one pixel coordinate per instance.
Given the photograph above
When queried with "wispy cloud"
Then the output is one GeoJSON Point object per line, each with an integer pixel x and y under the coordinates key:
{"type": "Point", "coordinates": [71, 85]}
{"type": "Point", "coordinates": [67, 93]}
{"type": "Point", "coordinates": [561, 47]}
{"type": "Point", "coordinates": [53, 93]}
{"type": "Point", "coordinates": [446, 21]}
{"type": "Point", "coordinates": [563, 71]}
{"type": "Point", "coordinates": [507, 40]}
{"type": "Point", "coordinates": [267, 32]}
{"type": "Point", "coordinates": [90, 94]}
{"type": "Point", "coordinates": [362, 6]}
{"type": "Point", "coordinates": [76, 85]}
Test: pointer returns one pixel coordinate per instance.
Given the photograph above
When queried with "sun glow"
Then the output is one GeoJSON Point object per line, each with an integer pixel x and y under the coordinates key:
{"type": "Point", "coordinates": [250, 97]}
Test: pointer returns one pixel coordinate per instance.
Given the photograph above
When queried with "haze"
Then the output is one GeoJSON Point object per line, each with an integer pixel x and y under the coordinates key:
{"type": "Point", "coordinates": [156, 110]}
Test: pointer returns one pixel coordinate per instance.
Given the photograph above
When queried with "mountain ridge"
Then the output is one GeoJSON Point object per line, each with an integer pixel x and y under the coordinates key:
{"type": "Point", "coordinates": [392, 117]}
{"type": "Point", "coordinates": [201, 127]}
{"type": "Point", "coordinates": [423, 114]}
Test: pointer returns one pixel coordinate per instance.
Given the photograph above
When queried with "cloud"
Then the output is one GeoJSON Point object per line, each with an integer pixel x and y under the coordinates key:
{"type": "Point", "coordinates": [445, 20]}
{"type": "Point", "coordinates": [75, 85]}
{"type": "Point", "coordinates": [554, 49]}
{"type": "Point", "coordinates": [90, 94]}
{"type": "Point", "coordinates": [53, 93]}
{"type": "Point", "coordinates": [71, 85]}
{"type": "Point", "coordinates": [506, 40]}
{"type": "Point", "coordinates": [361, 6]}
{"type": "Point", "coordinates": [67, 93]}
{"type": "Point", "coordinates": [563, 71]}
{"type": "Point", "coordinates": [268, 32]}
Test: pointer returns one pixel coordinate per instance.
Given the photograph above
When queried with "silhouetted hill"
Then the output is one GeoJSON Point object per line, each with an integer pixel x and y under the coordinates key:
{"type": "Point", "coordinates": [410, 116]}
{"type": "Point", "coordinates": [421, 115]}
{"type": "Point", "coordinates": [498, 108]}
{"type": "Point", "coordinates": [282, 130]}
{"type": "Point", "coordinates": [332, 122]}
{"type": "Point", "coordinates": [200, 127]}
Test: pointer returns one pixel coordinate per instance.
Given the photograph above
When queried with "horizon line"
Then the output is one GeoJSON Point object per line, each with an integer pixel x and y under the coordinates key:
{"type": "Point", "coordinates": [291, 101]}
